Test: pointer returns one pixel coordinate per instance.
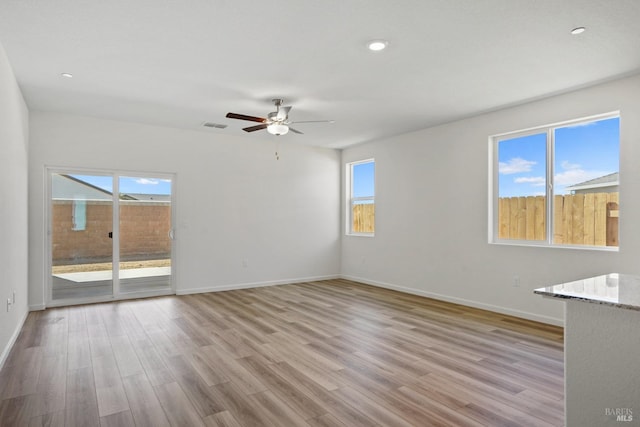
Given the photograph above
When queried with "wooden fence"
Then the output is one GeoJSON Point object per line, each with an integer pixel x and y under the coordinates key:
{"type": "Point", "coordinates": [364, 218]}
{"type": "Point", "coordinates": [579, 219]}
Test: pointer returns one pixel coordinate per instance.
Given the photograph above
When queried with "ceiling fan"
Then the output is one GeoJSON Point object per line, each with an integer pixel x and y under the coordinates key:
{"type": "Point", "coordinates": [276, 123]}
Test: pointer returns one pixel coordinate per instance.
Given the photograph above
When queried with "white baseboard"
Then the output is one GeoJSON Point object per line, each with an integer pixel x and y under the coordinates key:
{"type": "Point", "coordinates": [461, 301]}
{"type": "Point", "coordinates": [12, 341]}
{"type": "Point", "coordinates": [37, 307]}
{"type": "Point", "coordinates": [254, 284]}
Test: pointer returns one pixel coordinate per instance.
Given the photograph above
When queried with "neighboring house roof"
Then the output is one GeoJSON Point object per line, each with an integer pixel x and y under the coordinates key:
{"type": "Point", "coordinates": [147, 197]}
{"type": "Point", "coordinates": [67, 187]}
{"type": "Point", "coordinates": [603, 181]}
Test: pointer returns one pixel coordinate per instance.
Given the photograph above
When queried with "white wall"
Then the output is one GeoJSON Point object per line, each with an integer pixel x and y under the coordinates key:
{"type": "Point", "coordinates": [235, 201]}
{"type": "Point", "coordinates": [432, 209]}
{"type": "Point", "coordinates": [13, 206]}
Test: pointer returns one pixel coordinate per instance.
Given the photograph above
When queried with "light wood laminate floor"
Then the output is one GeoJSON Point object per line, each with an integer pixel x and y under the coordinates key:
{"type": "Point", "coordinates": [329, 353]}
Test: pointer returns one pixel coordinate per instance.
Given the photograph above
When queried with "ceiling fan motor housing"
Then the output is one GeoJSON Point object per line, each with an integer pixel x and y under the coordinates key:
{"type": "Point", "coordinates": [273, 117]}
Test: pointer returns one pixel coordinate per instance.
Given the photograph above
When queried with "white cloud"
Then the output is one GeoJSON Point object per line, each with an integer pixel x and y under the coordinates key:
{"type": "Point", "coordinates": [515, 165]}
{"type": "Point", "coordinates": [581, 125]}
{"type": "Point", "coordinates": [566, 165]}
{"type": "Point", "coordinates": [575, 176]}
{"type": "Point", "coordinates": [145, 181]}
{"type": "Point", "coordinates": [535, 181]}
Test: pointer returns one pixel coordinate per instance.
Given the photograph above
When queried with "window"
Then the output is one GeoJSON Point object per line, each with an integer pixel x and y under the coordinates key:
{"type": "Point", "coordinates": [361, 191]}
{"type": "Point", "coordinates": [557, 185]}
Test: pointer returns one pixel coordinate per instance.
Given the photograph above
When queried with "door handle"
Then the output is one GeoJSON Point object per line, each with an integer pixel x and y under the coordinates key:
{"type": "Point", "coordinates": [171, 235]}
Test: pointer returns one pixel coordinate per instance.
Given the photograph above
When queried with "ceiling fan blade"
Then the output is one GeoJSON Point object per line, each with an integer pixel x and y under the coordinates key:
{"type": "Point", "coordinates": [255, 128]}
{"type": "Point", "coordinates": [245, 117]}
{"type": "Point", "coordinates": [283, 112]}
{"type": "Point", "coordinates": [315, 121]}
{"type": "Point", "coordinates": [295, 131]}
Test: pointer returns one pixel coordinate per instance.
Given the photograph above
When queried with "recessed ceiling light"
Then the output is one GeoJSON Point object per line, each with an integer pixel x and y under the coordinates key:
{"type": "Point", "coordinates": [377, 45]}
{"type": "Point", "coordinates": [67, 75]}
{"type": "Point", "coordinates": [578, 30]}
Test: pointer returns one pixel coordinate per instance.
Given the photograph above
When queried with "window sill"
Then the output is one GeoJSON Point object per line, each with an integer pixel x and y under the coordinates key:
{"type": "Point", "coordinates": [360, 234]}
{"type": "Point", "coordinates": [545, 245]}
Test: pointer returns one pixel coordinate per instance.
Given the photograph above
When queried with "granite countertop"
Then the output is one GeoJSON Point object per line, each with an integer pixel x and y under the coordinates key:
{"type": "Point", "coordinates": [617, 290]}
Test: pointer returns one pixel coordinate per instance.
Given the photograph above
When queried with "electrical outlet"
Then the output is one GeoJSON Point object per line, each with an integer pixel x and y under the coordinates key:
{"type": "Point", "coordinates": [516, 281]}
{"type": "Point", "coordinates": [8, 304]}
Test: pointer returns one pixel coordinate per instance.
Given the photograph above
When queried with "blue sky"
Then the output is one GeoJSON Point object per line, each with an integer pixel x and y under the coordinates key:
{"type": "Point", "coordinates": [582, 152]}
{"type": "Point", "coordinates": [363, 179]}
{"type": "Point", "coordinates": [129, 184]}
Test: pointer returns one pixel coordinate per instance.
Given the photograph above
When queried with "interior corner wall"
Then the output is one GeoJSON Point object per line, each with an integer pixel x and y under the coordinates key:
{"type": "Point", "coordinates": [243, 218]}
{"type": "Point", "coordinates": [14, 118]}
{"type": "Point", "coordinates": [432, 210]}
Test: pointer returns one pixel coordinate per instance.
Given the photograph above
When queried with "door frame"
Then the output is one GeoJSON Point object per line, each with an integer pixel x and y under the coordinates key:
{"type": "Point", "coordinates": [115, 290]}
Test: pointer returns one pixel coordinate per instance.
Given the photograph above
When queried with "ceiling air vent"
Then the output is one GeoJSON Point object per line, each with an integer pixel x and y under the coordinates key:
{"type": "Point", "coordinates": [213, 125]}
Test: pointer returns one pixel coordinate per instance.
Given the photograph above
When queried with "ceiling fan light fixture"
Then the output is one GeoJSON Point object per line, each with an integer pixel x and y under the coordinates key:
{"type": "Point", "coordinates": [578, 30]}
{"type": "Point", "coordinates": [277, 129]}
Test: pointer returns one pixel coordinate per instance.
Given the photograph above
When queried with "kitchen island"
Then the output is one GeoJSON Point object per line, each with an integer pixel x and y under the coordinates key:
{"type": "Point", "coordinates": [602, 349]}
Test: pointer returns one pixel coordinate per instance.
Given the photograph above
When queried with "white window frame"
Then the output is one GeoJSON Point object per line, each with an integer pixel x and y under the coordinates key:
{"type": "Point", "coordinates": [352, 200]}
{"type": "Point", "coordinates": [494, 141]}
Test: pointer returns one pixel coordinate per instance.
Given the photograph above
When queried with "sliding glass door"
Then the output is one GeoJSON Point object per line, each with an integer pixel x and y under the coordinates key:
{"type": "Point", "coordinates": [111, 236]}
{"type": "Point", "coordinates": [145, 234]}
{"type": "Point", "coordinates": [81, 231]}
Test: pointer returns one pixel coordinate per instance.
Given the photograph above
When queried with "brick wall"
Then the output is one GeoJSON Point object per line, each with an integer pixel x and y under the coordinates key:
{"type": "Point", "coordinates": [144, 232]}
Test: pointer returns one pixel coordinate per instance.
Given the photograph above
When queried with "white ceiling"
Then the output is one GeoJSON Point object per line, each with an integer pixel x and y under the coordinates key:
{"type": "Point", "coordinates": [180, 63]}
